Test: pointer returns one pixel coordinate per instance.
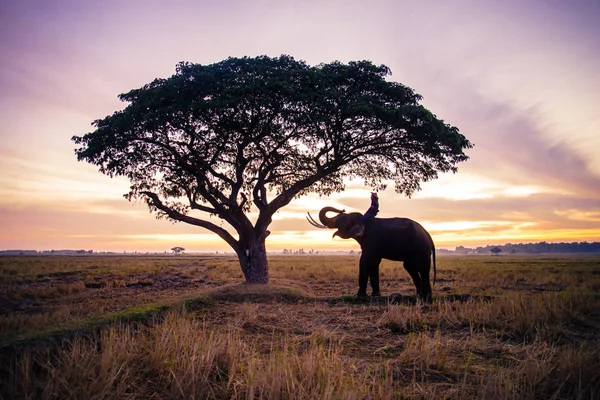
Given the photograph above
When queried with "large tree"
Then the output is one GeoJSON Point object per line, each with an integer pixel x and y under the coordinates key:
{"type": "Point", "coordinates": [254, 133]}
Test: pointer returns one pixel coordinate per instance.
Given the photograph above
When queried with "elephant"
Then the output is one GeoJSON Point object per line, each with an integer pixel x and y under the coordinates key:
{"type": "Point", "coordinates": [397, 239]}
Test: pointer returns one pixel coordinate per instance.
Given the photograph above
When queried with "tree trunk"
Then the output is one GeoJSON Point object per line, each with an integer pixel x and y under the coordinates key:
{"type": "Point", "coordinates": [253, 260]}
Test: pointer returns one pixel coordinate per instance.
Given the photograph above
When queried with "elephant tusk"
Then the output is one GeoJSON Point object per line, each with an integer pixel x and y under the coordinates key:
{"type": "Point", "coordinates": [314, 223]}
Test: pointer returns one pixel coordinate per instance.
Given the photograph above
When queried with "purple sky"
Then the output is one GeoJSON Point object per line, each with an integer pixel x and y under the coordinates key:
{"type": "Point", "coordinates": [519, 79]}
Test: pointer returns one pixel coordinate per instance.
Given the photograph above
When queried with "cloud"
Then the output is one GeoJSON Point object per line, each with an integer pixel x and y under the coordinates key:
{"type": "Point", "coordinates": [514, 141]}
{"type": "Point", "coordinates": [578, 215]}
{"type": "Point", "coordinates": [512, 146]}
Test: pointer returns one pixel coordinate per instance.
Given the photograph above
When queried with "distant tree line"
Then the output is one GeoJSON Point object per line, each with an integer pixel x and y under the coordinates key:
{"type": "Point", "coordinates": [509, 248]}
{"type": "Point", "coordinates": [299, 251]}
{"type": "Point", "coordinates": [45, 252]}
{"type": "Point", "coordinates": [532, 248]}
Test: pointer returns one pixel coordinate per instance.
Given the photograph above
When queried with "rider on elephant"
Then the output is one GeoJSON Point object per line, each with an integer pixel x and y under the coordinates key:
{"type": "Point", "coordinates": [369, 214]}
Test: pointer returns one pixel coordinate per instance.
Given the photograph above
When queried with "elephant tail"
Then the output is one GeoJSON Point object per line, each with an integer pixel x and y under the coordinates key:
{"type": "Point", "coordinates": [434, 268]}
{"type": "Point", "coordinates": [433, 252]}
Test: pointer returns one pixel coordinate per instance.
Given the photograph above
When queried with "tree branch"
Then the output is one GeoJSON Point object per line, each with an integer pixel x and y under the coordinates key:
{"type": "Point", "coordinates": [176, 215]}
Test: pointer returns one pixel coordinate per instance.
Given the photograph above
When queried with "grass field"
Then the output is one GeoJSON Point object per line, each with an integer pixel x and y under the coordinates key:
{"type": "Point", "coordinates": [500, 327]}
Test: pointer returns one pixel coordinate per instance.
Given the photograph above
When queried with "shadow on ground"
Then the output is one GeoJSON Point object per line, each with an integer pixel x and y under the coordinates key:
{"type": "Point", "coordinates": [290, 292]}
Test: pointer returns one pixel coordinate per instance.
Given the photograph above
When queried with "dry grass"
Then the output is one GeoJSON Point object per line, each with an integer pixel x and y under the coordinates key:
{"type": "Point", "coordinates": [180, 357]}
{"type": "Point", "coordinates": [515, 316]}
{"type": "Point", "coordinates": [499, 327]}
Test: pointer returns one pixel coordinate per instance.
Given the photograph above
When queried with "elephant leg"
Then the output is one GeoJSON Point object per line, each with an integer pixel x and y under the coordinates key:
{"type": "Point", "coordinates": [412, 268]}
{"type": "Point", "coordinates": [374, 277]}
{"type": "Point", "coordinates": [363, 276]}
{"type": "Point", "coordinates": [419, 271]}
{"type": "Point", "coordinates": [366, 265]}
{"type": "Point", "coordinates": [425, 284]}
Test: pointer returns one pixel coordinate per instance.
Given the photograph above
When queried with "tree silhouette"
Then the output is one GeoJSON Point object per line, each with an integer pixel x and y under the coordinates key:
{"type": "Point", "coordinates": [254, 133]}
{"type": "Point", "coordinates": [496, 250]}
{"type": "Point", "coordinates": [177, 250]}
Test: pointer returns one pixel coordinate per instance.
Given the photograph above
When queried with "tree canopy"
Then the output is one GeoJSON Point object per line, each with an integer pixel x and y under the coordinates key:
{"type": "Point", "coordinates": [245, 132]}
{"type": "Point", "coordinates": [177, 250]}
{"type": "Point", "coordinates": [496, 250]}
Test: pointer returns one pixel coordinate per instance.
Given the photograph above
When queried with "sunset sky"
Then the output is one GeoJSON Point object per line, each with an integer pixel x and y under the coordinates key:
{"type": "Point", "coordinates": [519, 78]}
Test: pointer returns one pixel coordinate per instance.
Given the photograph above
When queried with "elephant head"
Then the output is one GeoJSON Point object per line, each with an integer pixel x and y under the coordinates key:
{"type": "Point", "coordinates": [348, 225]}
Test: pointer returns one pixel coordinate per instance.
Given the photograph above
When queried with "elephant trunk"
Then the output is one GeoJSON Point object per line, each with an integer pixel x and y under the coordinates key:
{"type": "Point", "coordinates": [329, 222]}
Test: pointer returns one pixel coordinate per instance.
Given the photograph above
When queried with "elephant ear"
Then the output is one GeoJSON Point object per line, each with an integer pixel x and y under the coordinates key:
{"type": "Point", "coordinates": [357, 231]}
